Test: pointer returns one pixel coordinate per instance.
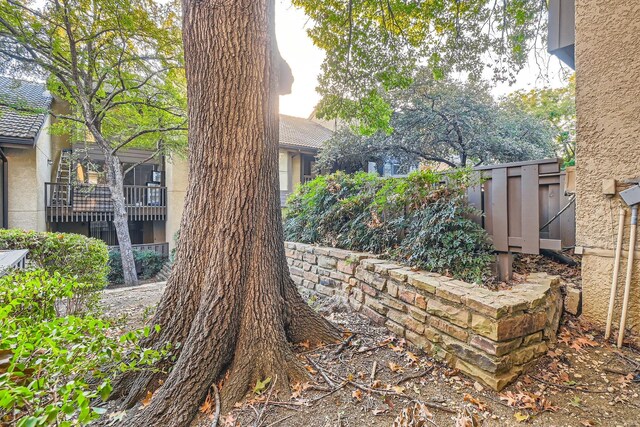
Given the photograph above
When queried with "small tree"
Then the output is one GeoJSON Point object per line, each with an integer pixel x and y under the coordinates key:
{"type": "Point", "coordinates": [447, 122]}
{"type": "Point", "coordinates": [373, 46]}
{"type": "Point", "coordinates": [556, 106]}
{"type": "Point", "coordinates": [118, 63]}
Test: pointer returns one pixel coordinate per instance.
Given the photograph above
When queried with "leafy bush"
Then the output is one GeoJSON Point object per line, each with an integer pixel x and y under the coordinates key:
{"type": "Point", "coordinates": [422, 219]}
{"type": "Point", "coordinates": [54, 368]}
{"type": "Point", "coordinates": [72, 255]}
{"type": "Point", "coordinates": [148, 264]}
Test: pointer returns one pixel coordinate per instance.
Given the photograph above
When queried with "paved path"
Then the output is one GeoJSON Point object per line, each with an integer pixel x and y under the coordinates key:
{"type": "Point", "coordinates": [134, 302]}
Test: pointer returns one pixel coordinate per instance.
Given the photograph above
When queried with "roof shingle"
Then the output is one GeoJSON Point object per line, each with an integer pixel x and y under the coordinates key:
{"type": "Point", "coordinates": [297, 132]}
{"type": "Point", "coordinates": [23, 109]}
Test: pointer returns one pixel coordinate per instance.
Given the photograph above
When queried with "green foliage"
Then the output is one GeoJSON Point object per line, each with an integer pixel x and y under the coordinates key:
{"type": "Point", "coordinates": [71, 255]}
{"type": "Point", "coordinates": [148, 264]}
{"type": "Point", "coordinates": [422, 219]}
{"type": "Point", "coordinates": [558, 108]}
{"type": "Point", "coordinates": [117, 63]}
{"type": "Point", "coordinates": [448, 122]}
{"type": "Point", "coordinates": [58, 365]}
{"type": "Point", "coordinates": [374, 46]}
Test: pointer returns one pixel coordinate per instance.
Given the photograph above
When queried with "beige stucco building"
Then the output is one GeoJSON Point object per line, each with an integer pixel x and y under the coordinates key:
{"type": "Point", "coordinates": [606, 55]}
{"type": "Point", "coordinates": [300, 141]}
{"type": "Point", "coordinates": [48, 183]}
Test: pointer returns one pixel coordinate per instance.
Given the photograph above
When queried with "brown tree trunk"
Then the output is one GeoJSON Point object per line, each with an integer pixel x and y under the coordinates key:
{"type": "Point", "coordinates": [230, 301]}
{"type": "Point", "coordinates": [115, 181]}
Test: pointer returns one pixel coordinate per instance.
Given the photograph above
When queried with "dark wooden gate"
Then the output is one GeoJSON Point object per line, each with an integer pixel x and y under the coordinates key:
{"type": "Point", "coordinates": [517, 200]}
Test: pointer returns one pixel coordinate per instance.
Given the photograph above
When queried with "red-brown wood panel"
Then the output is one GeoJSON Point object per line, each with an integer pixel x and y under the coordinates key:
{"type": "Point", "coordinates": [529, 210]}
{"type": "Point", "coordinates": [499, 209]}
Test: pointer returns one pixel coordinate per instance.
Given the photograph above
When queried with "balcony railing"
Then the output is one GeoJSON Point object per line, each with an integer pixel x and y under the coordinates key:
{"type": "Point", "coordinates": [90, 202]}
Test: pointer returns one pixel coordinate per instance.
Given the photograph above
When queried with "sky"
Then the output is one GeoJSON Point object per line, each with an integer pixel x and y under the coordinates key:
{"type": "Point", "coordinates": [305, 60]}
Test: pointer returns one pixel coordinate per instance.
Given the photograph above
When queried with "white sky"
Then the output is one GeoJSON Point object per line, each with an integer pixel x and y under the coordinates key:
{"type": "Point", "coordinates": [305, 60]}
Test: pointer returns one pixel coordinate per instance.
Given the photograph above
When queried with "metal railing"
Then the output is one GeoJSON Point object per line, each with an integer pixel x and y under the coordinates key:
{"type": "Point", "coordinates": [89, 202]}
{"type": "Point", "coordinates": [11, 259]}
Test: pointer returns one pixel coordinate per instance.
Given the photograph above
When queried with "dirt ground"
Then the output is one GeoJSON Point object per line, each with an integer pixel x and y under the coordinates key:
{"type": "Point", "coordinates": [581, 382]}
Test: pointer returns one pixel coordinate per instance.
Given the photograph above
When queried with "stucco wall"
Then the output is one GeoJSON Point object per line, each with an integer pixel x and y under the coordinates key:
{"type": "Point", "coordinates": [176, 177]}
{"type": "Point", "coordinates": [608, 138]}
{"type": "Point", "coordinates": [28, 171]}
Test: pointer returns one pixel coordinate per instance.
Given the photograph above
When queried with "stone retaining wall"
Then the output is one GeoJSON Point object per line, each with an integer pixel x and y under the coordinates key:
{"type": "Point", "coordinates": [490, 336]}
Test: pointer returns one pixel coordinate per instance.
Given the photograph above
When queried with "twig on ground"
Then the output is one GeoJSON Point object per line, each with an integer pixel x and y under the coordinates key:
{"type": "Point", "coordinates": [340, 387]}
{"type": "Point", "coordinates": [344, 344]}
{"type": "Point", "coordinates": [414, 375]}
{"type": "Point", "coordinates": [629, 360]}
{"type": "Point", "coordinates": [616, 371]}
{"type": "Point", "coordinates": [275, 423]}
{"type": "Point", "coordinates": [216, 414]}
{"type": "Point", "coordinates": [567, 387]}
{"type": "Point", "coordinates": [364, 350]}
{"type": "Point", "coordinates": [264, 407]}
{"type": "Point", "coordinates": [321, 371]}
{"type": "Point", "coordinates": [374, 367]}
{"type": "Point", "coordinates": [435, 406]}
{"type": "Point", "coordinates": [322, 347]}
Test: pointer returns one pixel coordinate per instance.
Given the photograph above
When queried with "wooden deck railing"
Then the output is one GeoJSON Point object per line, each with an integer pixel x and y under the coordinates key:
{"type": "Point", "coordinates": [87, 202]}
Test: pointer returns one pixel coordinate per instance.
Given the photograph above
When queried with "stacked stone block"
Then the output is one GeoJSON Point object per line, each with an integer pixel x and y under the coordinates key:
{"type": "Point", "coordinates": [492, 336]}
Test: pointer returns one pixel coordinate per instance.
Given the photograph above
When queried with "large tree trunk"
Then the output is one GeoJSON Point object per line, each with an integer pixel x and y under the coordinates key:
{"type": "Point", "coordinates": [115, 181]}
{"type": "Point", "coordinates": [229, 301]}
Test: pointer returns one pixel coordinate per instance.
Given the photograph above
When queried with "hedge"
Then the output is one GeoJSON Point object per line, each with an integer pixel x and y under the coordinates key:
{"type": "Point", "coordinates": [72, 255]}
{"type": "Point", "coordinates": [148, 264]}
{"type": "Point", "coordinates": [422, 220]}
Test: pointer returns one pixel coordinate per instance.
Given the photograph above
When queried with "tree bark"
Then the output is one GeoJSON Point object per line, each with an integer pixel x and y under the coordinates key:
{"type": "Point", "coordinates": [230, 301]}
{"type": "Point", "coordinates": [115, 181]}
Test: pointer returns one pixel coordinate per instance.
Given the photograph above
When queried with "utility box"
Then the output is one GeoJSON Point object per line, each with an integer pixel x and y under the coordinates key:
{"type": "Point", "coordinates": [631, 196]}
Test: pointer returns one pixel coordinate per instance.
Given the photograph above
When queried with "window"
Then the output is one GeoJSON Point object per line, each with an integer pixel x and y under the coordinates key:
{"type": "Point", "coordinates": [283, 168]}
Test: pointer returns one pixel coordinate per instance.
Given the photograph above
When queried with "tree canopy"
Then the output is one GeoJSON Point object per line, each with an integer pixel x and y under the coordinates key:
{"type": "Point", "coordinates": [373, 46]}
{"type": "Point", "coordinates": [557, 106]}
{"type": "Point", "coordinates": [448, 122]}
{"type": "Point", "coordinates": [118, 64]}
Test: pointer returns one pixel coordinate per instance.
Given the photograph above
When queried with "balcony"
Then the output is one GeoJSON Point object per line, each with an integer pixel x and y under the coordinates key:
{"type": "Point", "coordinates": [91, 202]}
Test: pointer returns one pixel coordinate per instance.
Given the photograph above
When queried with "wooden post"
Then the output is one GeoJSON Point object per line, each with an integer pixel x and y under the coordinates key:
{"type": "Point", "coordinates": [505, 266]}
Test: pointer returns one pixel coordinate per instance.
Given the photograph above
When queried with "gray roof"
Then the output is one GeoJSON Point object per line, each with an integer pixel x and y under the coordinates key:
{"type": "Point", "coordinates": [23, 110]}
{"type": "Point", "coordinates": [296, 132]}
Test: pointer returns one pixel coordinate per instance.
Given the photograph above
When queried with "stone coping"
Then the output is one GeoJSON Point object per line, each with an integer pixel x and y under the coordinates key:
{"type": "Point", "coordinates": [492, 336]}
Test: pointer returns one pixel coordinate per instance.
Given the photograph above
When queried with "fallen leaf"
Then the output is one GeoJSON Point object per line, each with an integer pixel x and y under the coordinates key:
{"type": "Point", "coordinates": [395, 367]}
{"type": "Point", "coordinates": [261, 385]}
{"type": "Point", "coordinates": [481, 406]}
{"type": "Point", "coordinates": [357, 394]}
{"type": "Point", "coordinates": [520, 417]}
{"type": "Point", "coordinates": [398, 389]}
{"type": "Point", "coordinates": [412, 357]}
{"type": "Point", "coordinates": [147, 399]}
{"type": "Point", "coordinates": [207, 406]}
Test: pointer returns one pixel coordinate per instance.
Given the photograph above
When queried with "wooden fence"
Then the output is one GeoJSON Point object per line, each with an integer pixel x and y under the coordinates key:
{"type": "Point", "coordinates": [521, 205]}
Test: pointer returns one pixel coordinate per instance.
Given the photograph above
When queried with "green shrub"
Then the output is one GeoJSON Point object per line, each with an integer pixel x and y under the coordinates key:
{"type": "Point", "coordinates": [72, 255]}
{"type": "Point", "coordinates": [58, 366]}
{"type": "Point", "coordinates": [422, 219]}
{"type": "Point", "coordinates": [148, 264]}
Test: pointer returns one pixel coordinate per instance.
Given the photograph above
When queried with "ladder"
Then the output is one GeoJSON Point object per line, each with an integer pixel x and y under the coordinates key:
{"type": "Point", "coordinates": [61, 195]}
